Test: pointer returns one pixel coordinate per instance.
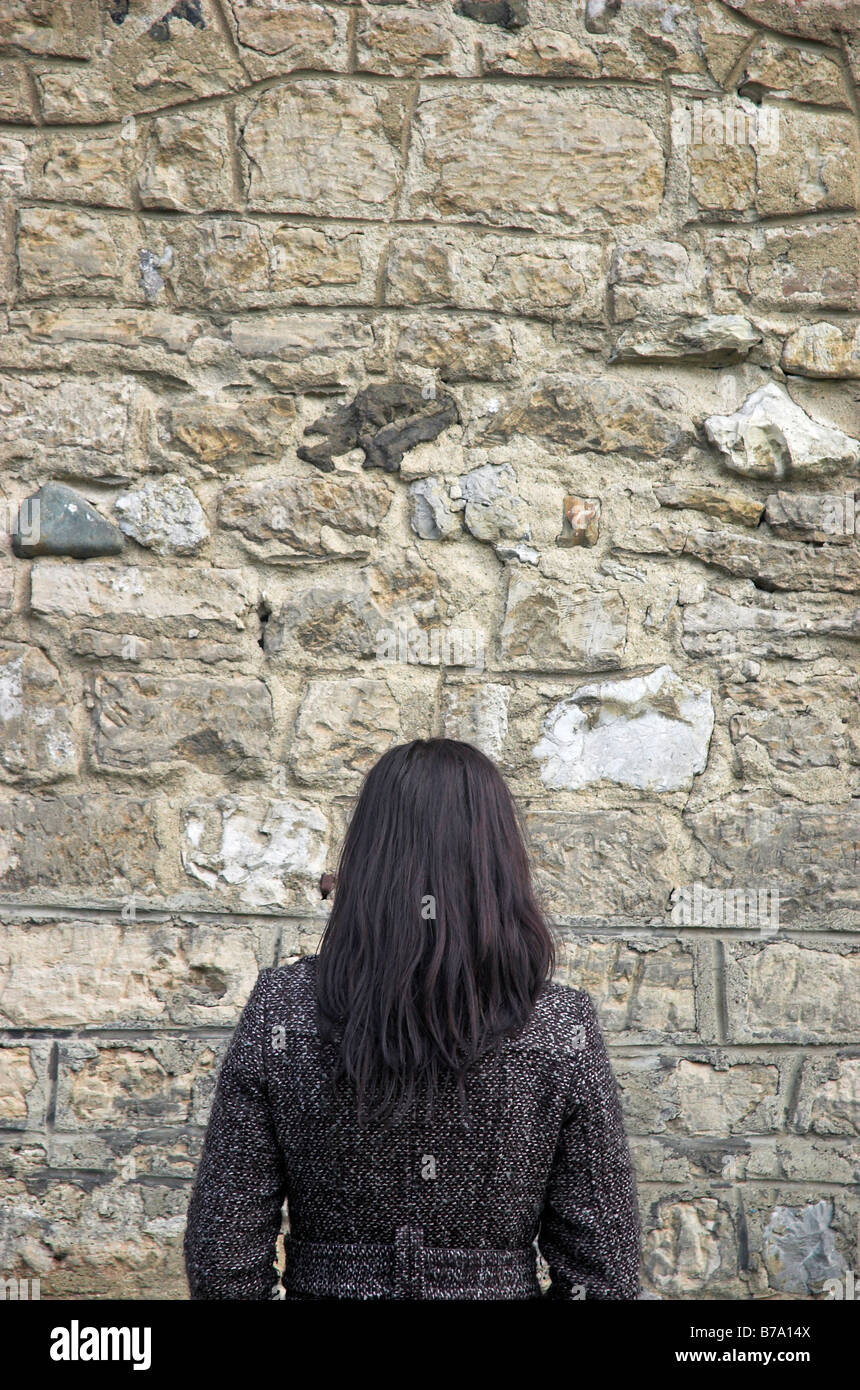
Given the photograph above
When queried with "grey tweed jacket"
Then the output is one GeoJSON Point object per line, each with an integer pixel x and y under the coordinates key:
{"type": "Point", "coordinates": [446, 1206]}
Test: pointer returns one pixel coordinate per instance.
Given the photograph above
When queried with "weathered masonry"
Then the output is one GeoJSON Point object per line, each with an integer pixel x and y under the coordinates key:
{"type": "Point", "coordinates": [369, 370]}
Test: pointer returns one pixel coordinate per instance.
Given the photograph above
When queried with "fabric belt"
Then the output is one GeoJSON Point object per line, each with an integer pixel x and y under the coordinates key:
{"type": "Point", "coordinates": [407, 1269]}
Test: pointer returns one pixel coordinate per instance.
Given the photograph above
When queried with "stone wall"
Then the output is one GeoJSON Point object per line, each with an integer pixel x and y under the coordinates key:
{"type": "Point", "coordinates": [390, 369]}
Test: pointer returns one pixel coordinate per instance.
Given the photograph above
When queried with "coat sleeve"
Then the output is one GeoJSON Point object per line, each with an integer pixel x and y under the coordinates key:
{"type": "Point", "coordinates": [234, 1215]}
{"type": "Point", "coordinates": [589, 1231]}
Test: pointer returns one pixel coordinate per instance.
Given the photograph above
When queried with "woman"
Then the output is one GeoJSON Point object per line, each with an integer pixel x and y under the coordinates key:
{"type": "Point", "coordinates": [428, 1103]}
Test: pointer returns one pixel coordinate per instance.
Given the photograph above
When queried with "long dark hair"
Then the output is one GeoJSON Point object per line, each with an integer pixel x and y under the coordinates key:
{"type": "Point", "coordinates": [436, 948]}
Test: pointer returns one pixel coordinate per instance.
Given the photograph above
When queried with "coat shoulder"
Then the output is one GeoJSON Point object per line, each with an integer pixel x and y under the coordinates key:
{"type": "Point", "coordinates": [291, 994]}
{"type": "Point", "coordinates": [560, 1017]}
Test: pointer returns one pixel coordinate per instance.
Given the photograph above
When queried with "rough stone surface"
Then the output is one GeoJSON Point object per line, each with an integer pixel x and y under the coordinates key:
{"type": "Point", "coordinates": [258, 855]}
{"type": "Point", "coordinates": [790, 991]}
{"type": "Point", "coordinates": [716, 339]}
{"type": "Point", "coordinates": [691, 1246]}
{"type": "Point", "coordinates": [494, 511]}
{"type": "Point", "coordinates": [78, 428]}
{"type": "Point", "coordinates": [323, 147]}
{"type": "Point", "coordinates": [650, 732]}
{"type": "Point", "coordinates": [287, 519]}
{"type": "Point", "coordinates": [602, 414]}
{"type": "Point", "coordinates": [772, 437]}
{"type": "Point", "coordinates": [790, 844]}
{"type": "Point", "coordinates": [222, 434]}
{"type": "Point", "coordinates": [101, 845]}
{"type": "Point", "coordinates": [384, 421]}
{"type": "Point", "coordinates": [164, 516]}
{"type": "Point", "coordinates": [97, 590]}
{"type": "Point", "coordinates": [433, 518]}
{"type": "Point", "coordinates": [557, 153]}
{"type": "Point", "coordinates": [773, 69]}
{"type": "Point", "coordinates": [823, 350]}
{"type": "Point", "coordinates": [145, 973]}
{"type": "Point", "coordinates": [812, 516]}
{"type": "Point", "coordinates": [664, 999]}
{"type": "Point", "coordinates": [478, 714]}
{"type": "Point", "coordinates": [488, 369]}
{"type": "Point", "coordinates": [40, 742]}
{"type": "Point", "coordinates": [548, 626]}
{"type": "Point", "coordinates": [342, 727]}
{"type": "Point", "coordinates": [111, 1084]}
{"type": "Point", "coordinates": [771, 564]}
{"type": "Point", "coordinates": [799, 1249]}
{"type": "Point", "coordinates": [145, 723]}
{"type": "Point", "coordinates": [724, 503]}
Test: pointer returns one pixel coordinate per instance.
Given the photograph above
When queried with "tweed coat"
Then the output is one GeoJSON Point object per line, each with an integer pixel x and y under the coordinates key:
{"type": "Point", "coordinates": [448, 1204]}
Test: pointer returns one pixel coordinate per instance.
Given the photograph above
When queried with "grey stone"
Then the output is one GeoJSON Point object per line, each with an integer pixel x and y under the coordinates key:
{"type": "Point", "coordinates": [828, 1102]}
{"type": "Point", "coordinates": [767, 625]}
{"type": "Point", "coordinates": [478, 714]}
{"type": "Point", "coordinates": [432, 516]}
{"type": "Point", "coordinates": [90, 843]}
{"type": "Point", "coordinates": [700, 1095]}
{"type": "Point", "coordinates": [617, 865]}
{"type": "Point", "coordinates": [786, 725]}
{"type": "Point", "coordinates": [509, 14]}
{"type": "Point", "coordinates": [494, 511]}
{"type": "Point", "coordinates": [485, 485]}
{"type": "Point", "coordinates": [598, 15]}
{"type": "Point", "coordinates": [799, 1249]}
{"type": "Point", "coordinates": [809, 852]}
{"type": "Point", "coordinates": [56, 520]}
{"type": "Point", "coordinates": [771, 564]}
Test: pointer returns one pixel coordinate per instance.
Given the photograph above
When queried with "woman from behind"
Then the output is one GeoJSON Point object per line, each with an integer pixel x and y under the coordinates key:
{"type": "Point", "coordinates": [431, 1106]}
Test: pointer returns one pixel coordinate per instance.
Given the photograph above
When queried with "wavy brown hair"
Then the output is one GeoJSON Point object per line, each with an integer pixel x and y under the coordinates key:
{"type": "Point", "coordinates": [436, 948]}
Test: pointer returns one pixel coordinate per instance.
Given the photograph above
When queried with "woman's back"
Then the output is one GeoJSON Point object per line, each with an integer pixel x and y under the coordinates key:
{"type": "Point", "coordinates": [438, 1205]}
{"type": "Point", "coordinates": [426, 1101]}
